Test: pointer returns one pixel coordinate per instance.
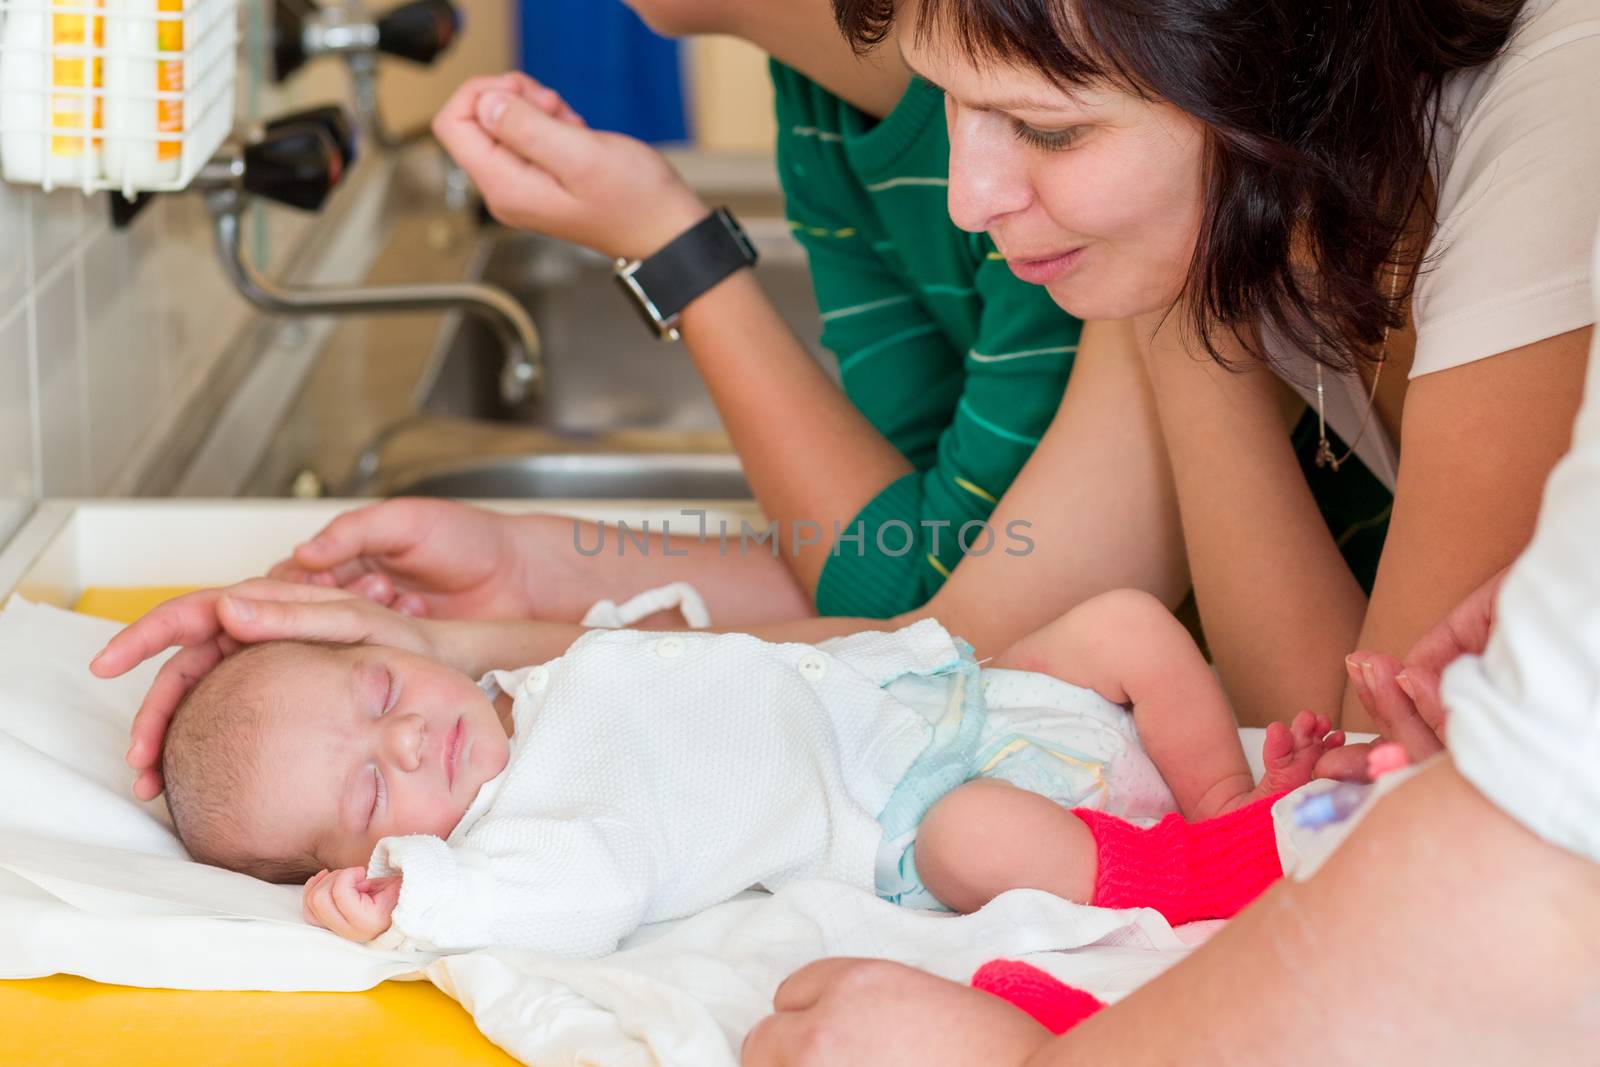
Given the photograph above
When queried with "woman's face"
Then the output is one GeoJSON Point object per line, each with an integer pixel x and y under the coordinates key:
{"type": "Point", "coordinates": [1093, 193]}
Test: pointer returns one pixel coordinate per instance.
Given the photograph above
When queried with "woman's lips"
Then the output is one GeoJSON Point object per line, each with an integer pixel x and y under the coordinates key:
{"type": "Point", "coordinates": [1046, 270]}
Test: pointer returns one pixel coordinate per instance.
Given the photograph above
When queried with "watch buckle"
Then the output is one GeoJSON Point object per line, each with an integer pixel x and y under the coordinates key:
{"type": "Point", "coordinates": [666, 327]}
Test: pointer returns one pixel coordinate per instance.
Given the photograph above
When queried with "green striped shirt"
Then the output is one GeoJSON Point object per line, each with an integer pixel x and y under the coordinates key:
{"type": "Point", "coordinates": [955, 361]}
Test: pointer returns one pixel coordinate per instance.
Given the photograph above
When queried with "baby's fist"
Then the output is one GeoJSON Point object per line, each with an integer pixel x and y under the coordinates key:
{"type": "Point", "coordinates": [349, 903]}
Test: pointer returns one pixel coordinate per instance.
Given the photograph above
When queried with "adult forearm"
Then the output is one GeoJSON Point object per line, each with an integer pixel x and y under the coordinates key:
{"type": "Point", "coordinates": [1096, 501]}
{"type": "Point", "coordinates": [743, 582]}
{"type": "Point", "coordinates": [1441, 932]}
{"type": "Point", "coordinates": [475, 647]}
{"type": "Point", "coordinates": [1279, 606]}
{"type": "Point", "coordinates": [811, 457]}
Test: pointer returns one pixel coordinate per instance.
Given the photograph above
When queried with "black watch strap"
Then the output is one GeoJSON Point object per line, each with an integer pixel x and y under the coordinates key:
{"type": "Point", "coordinates": [688, 266]}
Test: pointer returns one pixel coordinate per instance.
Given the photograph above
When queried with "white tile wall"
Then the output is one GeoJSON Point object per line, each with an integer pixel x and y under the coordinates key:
{"type": "Point", "coordinates": [13, 250]}
{"type": "Point", "coordinates": [122, 348]}
{"type": "Point", "coordinates": [104, 336]}
{"type": "Point", "coordinates": [17, 480]}
{"type": "Point", "coordinates": [63, 431]}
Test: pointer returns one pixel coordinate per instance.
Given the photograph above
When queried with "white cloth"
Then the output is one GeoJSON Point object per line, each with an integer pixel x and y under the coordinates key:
{"type": "Point", "coordinates": [1517, 171]}
{"type": "Point", "coordinates": [1524, 722]}
{"type": "Point", "coordinates": [674, 596]}
{"type": "Point", "coordinates": [94, 883]}
{"type": "Point", "coordinates": [687, 998]}
{"type": "Point", "coordinates": [654, 775]}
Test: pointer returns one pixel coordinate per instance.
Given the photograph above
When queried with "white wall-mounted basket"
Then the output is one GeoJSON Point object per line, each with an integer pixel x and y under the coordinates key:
{"type": "Point", "coordinates": [132, 95]}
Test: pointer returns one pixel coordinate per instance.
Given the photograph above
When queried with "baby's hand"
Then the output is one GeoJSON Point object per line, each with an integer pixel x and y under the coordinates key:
{"type": "Point", "coordinates": [349, 903]}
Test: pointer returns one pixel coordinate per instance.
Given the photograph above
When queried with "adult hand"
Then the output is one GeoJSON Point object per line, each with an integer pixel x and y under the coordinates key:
{"type": "Point", "coordinates": [872, 1013]}
{"type": "Point", "coordinates": [1403, 696]}
{"type": "Point", "coordinates": [541, 168]}
{"type": "Point", "coordinates": [446, 560]}
{"type": "Point", "coordinates": [214, 623]}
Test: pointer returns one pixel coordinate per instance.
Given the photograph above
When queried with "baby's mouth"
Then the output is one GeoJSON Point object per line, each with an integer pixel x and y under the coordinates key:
{"type": "Point", "coordinates": [452, 752]}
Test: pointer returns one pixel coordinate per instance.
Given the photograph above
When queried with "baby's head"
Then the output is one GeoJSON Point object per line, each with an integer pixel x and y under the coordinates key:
{"type": "Point", "coordinates": [291, 757]}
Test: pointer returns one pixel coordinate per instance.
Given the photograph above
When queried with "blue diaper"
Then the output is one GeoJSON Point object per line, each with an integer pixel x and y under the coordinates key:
{"type": "Point", "coordinates": [952, 702]}
{"type": "Point", "coordinates": [1035, 732]}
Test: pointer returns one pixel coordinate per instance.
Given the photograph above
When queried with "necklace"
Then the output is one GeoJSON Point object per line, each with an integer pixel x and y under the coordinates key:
{"type": "Point", "coordinates": [1325, 456]}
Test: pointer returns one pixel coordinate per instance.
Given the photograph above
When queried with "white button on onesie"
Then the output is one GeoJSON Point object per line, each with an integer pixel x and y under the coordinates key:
{"type": "Point", "coordinates": [653, 776]}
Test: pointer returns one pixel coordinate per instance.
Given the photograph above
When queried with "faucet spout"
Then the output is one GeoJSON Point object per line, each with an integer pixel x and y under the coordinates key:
{"type": "Point", "coordinates": [369, 114]}
{"type": "Point", "coordinates": [521, 375]}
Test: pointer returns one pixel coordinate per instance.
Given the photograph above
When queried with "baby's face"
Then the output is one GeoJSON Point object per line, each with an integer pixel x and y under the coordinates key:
{"type": "Point", "coordinates": [369, 742]}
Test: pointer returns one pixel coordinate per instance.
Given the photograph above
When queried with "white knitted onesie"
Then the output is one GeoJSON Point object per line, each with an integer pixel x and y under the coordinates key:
{"type": "Point", "coordinates": [653, 775]}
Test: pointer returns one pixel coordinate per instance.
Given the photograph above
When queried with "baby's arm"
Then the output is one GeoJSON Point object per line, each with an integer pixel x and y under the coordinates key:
{"type": "Point", "coordinates": [349, 903]}
{"type": "Point", "coordinates": [569, 885]}
{"type": "Point", "coordinates": [1126, 646]}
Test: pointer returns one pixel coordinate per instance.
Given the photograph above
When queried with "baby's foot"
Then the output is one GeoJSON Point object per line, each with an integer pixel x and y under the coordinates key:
{"type": "Point", "coordinates": [1290, 753]}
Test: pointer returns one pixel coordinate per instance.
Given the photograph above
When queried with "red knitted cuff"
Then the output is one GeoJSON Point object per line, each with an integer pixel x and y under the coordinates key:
{"type": "Point", "coordinates": [1053, 1004]}
{"type": "Point", "coordinates": [1186, 871]}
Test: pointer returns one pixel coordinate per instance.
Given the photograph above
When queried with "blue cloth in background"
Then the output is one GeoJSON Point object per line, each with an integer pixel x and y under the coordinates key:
{"type": "Point", "coordinates": [612, 68]}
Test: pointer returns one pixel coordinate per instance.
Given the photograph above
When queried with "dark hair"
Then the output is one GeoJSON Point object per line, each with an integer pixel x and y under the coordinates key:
{"type": "Point", "coordinates": [1320, 117]}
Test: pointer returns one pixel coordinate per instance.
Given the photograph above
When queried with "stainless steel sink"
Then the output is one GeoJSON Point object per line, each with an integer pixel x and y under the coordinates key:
{"type": "Point", "coordinates": [622, 415]}
{"type": "Point", "coordinates": [605, 370]}
{"type": "Point", "coordinates": [410, 404]}
{"type": "Point", "coordinates": [686, 476]}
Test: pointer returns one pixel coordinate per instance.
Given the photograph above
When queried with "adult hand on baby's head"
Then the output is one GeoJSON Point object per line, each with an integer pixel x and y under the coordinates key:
{"type": "Point", "coordinates": [541, 168]}
{"type": "Point", "coordinates": [349, 903]}
{"type": "Point", "coordinates": [213, 623]}
{"type": "Point", "coordinates": [442, 559]}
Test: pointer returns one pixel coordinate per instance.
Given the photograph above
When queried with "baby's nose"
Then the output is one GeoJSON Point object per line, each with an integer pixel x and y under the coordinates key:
{"type": "Point", "coordinates": [407, 735]}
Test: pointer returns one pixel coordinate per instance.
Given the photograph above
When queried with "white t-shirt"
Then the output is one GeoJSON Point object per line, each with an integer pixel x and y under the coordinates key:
{"type": "Point", "coordinates": [1518, 178]}
{"type": "Point", "coordinates": [1524, 722]}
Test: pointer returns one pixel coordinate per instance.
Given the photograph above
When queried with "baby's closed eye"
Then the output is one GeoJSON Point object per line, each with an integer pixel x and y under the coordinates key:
{"type": "Point", "coordinates": [377, 795]}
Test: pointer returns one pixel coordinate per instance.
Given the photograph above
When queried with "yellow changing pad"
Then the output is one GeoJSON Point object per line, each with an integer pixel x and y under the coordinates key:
{"type": "Point", "coordinates": [62, 1020]}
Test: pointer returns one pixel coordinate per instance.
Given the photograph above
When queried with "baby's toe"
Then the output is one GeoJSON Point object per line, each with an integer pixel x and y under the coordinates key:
{"type": "Point", "coordinates": [1303, 728]}
{"type": "Point", "coordinates": [1278, 745]}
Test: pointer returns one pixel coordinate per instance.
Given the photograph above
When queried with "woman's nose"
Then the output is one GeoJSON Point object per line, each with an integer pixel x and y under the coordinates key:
{"type": "Point", "coordinates": [403, 741]}
{"type": "Point", "coordinates": [988, 174]}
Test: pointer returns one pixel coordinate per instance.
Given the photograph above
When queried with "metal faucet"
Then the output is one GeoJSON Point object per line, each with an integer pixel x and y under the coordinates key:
{"type": "Point", "coordinates": [417, 31]}
{"type": "Point", "coordinates": [298, 161]}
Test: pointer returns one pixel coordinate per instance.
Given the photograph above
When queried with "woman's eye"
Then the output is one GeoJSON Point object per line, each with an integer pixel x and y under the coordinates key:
{"type": "Point", "coordinates": [1048, 140]}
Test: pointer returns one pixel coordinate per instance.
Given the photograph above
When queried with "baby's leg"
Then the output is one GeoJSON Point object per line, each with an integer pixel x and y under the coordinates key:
{"type": "Point", "coordinates": [987, 836]}
{"type": "Point", "coordinates": [1127, 647]}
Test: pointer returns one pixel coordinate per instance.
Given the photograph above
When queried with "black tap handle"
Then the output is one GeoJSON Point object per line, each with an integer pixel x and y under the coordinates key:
{"type": "Point", "coordinates": [289, 18]}
{"type": "Point", "coordinates": [332, 118]}
{"type": "Point", "coordinates": [418, 31]}
{"type": "Point", "coordinates": [294, 163]}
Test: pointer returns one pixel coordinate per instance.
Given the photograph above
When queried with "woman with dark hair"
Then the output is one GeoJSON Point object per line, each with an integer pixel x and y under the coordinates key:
{"type": "Point", "coordinates": [1377, 210]}
{"type": "Point", "coordinates": [1275, 191]}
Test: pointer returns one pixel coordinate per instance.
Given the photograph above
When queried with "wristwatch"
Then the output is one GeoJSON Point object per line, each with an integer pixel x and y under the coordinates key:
{"type": "Point", "coordinates": [694, 261]}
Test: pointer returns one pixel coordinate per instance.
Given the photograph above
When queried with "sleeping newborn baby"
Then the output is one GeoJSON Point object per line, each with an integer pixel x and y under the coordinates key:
{"type": "Point", "coordinates": [646, 776]}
